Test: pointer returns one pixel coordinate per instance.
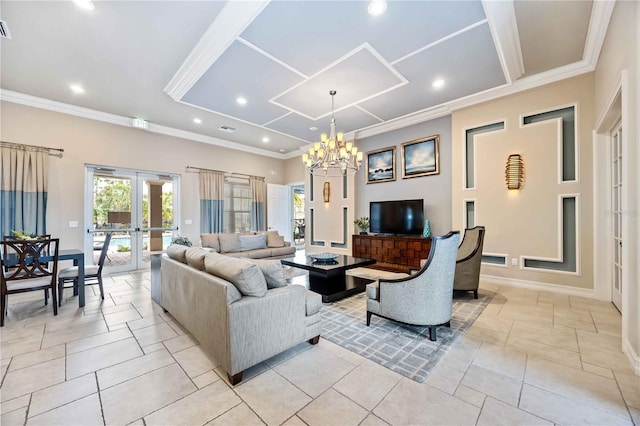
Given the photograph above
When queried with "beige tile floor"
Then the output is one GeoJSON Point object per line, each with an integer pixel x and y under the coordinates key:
{"type": "Point", "coordinates": [530, 358]}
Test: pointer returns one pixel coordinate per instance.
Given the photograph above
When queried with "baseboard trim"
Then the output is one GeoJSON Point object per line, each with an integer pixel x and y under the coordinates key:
{"type": "Point", "coordinates": [537, 285]}
{"type": "Point", "coordinates": [632, 356]}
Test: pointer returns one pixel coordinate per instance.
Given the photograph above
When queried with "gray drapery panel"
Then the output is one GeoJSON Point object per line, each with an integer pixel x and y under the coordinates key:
{"type": "Point", "coordinates": [23, 190]}
{"type": "Point", "coordinates": [211, 202]}
{"type": "Point", "coordinates": [258, 203]}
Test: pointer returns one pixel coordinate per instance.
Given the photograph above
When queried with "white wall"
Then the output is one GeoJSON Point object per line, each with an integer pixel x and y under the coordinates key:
{"type": "Point", "coordinates": [93, 142]}
{"type": "Point", "coordinates": [434, 189]}
{"type": "Point", "coordinates": [526, 222]}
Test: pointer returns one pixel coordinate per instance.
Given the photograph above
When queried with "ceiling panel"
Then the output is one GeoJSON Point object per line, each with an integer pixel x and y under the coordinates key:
{"type": "Point", "coordinates": [359, 76]}
{"type": "Point", "coordinates": [474, 53]}
{"type": "Point", "coordinates": [552, 33]}
{"type": "Point", "coordinates": [308, 35]}
{"type": "Point", "coordinates": [241, 71]}
{"type": "Point", "coordinates": [346, 120]}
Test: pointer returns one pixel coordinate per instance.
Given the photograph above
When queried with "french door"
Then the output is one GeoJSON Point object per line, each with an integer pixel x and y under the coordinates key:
{"type": "Point", "coordinates": [138, 208]}
{"type": "Point", "coordinates": [616, 212]}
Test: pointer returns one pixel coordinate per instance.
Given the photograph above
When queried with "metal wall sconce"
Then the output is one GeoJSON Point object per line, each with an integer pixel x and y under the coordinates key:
{"type": "Point", "coordinates": [514, 172]}
{"type": "Point", "coordinates": [326, 192]}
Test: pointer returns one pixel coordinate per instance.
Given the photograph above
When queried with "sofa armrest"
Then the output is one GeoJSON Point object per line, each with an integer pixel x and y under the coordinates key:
{"type": "Point", "coordinates": [261, 327]}
{"type": "Point", "coordinates": [287, 243]}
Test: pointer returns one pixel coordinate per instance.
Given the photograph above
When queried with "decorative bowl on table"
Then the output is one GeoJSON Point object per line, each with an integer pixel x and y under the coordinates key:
{"type": "Point", "coordinates": [324, 257]}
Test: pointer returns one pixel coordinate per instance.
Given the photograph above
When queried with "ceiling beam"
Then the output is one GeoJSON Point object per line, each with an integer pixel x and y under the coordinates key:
{"type": "Point", "coordinates": [232, 20]}
{"type": "Point", "coordinates": [600, 16]}
{"type": "Point", "coordinates": [504, 30]}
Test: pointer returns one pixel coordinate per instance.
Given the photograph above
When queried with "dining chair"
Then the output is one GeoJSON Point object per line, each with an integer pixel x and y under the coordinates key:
{"type": "Point", "coordinates": [92, 273]}
{"type": "Point", "coordinates": [28, 265]}
{"type": "Point", "coordinates": [6, 251]}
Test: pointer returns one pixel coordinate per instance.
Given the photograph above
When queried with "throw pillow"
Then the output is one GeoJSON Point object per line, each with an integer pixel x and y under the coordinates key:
{"type": "Point", "coordinates": [273, 272]}
{"type": "Point", "coordinates": [195, 257]}
{"type": "Point", "coordinates": [229, 243]}
{"type": "Point", "coordinates": [252, 242]}
{"type": "Point", "coordinates": [245, 275]}
{"type": "Point", "coordinates": [210, 240]}
{"type": "Point", "coordinates": [177, 252]}
{"type": "Point", "coordinates": [274, 239]}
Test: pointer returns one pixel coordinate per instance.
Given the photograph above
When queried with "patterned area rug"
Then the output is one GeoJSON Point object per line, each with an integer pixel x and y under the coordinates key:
{"type": "Point", "coordinates": [404, 349]}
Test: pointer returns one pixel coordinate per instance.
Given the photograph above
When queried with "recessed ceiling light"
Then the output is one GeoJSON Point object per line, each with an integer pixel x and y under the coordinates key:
{"type": "Point", "coordinates": [282, 150]}
{"type": "Point", "coordinates": [76, 88]}
{"type": "Point", "coordinates": [377, 7]}
{"type": "Point", "coordinates": [241, 101]}
{"type": "Point", "coordinates": [313, 128]}
{"type": "Point", "coordinates": [265, 139]}
{"type": "Point", "coordinates": [438, 83]}
{"type": "Point", "coordinates": [197, 121]}
{"type": "Point", "coordinates": [85, 4]}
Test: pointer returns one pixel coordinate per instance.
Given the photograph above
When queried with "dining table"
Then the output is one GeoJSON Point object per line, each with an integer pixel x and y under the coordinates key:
{"type": "Point", "coordinates": [77, 256]}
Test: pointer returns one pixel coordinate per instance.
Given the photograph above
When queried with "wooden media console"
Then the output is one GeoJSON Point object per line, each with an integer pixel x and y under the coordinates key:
{"type": "Point", "coordinates": [392, 253]}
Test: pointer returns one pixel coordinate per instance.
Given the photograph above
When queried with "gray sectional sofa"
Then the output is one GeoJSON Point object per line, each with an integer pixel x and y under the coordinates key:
{"type": "Point", "coordinates": [241, 310]}
{"type": "Point", "coordinates": [254, 245]}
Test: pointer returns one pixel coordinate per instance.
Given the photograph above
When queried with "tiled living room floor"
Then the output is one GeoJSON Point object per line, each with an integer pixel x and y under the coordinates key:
{"type": "Point", "coordinates": [530, 358]}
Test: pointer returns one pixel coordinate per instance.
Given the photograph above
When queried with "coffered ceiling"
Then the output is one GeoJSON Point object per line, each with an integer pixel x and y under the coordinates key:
{"type": "Point", "coordinates": [172, 62]}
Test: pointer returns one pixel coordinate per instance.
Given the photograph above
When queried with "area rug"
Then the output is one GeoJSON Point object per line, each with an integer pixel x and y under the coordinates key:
{"type": "Point", "coordinates": [404, 349]}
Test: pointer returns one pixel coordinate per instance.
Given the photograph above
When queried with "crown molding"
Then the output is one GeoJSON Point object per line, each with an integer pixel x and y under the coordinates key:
{"type": "Point", "coordinates": [504, 30]}
{"type": "Point", "coordinates": [47, 104]}
{"type": "Point", "coordinates": [599, 22]}
{"type": "Point", "coordinates": [42, 103]}
{"type": "Point", "coordinates": [232, 20]}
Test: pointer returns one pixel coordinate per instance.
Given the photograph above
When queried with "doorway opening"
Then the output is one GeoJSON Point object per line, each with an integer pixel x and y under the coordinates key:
{"type": "Point", "coordinates": [299, 223]}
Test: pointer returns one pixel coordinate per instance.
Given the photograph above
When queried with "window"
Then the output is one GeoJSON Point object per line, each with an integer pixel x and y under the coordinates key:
{"type": "Point", "coordinates": [237, 207]}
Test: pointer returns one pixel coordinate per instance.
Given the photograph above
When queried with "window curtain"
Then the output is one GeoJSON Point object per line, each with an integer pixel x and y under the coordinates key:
{"type": "Point", "coordinates": [211, 202]}
{"type": "Point", "coordinates": [258, 203]}
{"type": "Point", "coordinates": [23, 190]}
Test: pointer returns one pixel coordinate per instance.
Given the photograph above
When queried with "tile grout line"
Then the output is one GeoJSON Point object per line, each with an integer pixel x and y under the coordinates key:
{"type": "Point", "coordinates": [95, 374]}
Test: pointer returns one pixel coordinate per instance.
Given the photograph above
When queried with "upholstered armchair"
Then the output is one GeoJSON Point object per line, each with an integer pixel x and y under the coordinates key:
{"type": "Point", "coordinates": [468, 262]}
{"type": "Point", "coordinates": [424, 298]}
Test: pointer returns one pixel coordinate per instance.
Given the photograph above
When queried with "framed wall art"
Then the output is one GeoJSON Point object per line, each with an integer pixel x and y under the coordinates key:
{"type": "Point", "coordinates": [421, 157]}
{"type": "Point", "coordinates": [381, 165]}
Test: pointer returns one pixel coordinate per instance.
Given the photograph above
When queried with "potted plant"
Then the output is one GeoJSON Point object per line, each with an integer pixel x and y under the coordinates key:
{"type": "Point", "coordinates": [183, 241]}
{"type": "Point", "coordinates": [362, 224]}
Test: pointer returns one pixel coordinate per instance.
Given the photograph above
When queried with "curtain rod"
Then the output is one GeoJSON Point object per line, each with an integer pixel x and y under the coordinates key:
{"type": "Point", "coordinates": [227, 174]}
{"type": "Point", "coordinates": [56, 151]}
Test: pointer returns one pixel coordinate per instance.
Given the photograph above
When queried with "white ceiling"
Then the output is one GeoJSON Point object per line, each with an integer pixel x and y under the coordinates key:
{"type": "Point", "coordinates": [170, 62]}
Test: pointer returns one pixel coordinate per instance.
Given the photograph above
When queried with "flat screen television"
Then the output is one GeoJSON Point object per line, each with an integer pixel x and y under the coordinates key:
{"type": "Point", "coordinates": [404, 217]}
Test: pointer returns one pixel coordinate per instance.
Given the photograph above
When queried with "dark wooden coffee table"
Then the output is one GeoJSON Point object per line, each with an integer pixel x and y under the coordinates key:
{"type": "Point", "coordinates": [329, 279]}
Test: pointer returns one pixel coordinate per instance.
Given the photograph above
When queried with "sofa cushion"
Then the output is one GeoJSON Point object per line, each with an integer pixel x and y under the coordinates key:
{"type": "Point", "coordinates": [177, 252]}
{"type": "Point", "coordinates": [273, 272]}
{"type": "Point", "coordinates": [242, 273]}
{"type": "Point", "coordinates": [229, 243]}
{"type": "Point", "coordinates": [274, 239]}
{"type": "Point", "coordinates": [252, 254]}
{"type": "Point", "coordinates": [283, 251]}
{"type": "Point", "coordinates": [210, 240]}
{"type": "Point", "coordinates": [195, 257]}
{"type": "Point", "coordinates": [313, 303]}
{"type": "Point", "coordinates": [252, 242]}
{"type": "Point", "coordinates": [233, 294]}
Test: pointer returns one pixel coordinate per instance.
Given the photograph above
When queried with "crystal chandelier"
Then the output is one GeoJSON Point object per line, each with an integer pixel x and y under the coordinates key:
{"type": "Point", "coordinates": [332, 156]}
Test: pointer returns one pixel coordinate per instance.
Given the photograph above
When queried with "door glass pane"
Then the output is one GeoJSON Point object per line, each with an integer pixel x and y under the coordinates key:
{"type": "Point", "coordinates": [157, 204]}
{"type": "Point", "coordinates": [119, 251]}
{"type": "Point", "coordinates": [111, 202]}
